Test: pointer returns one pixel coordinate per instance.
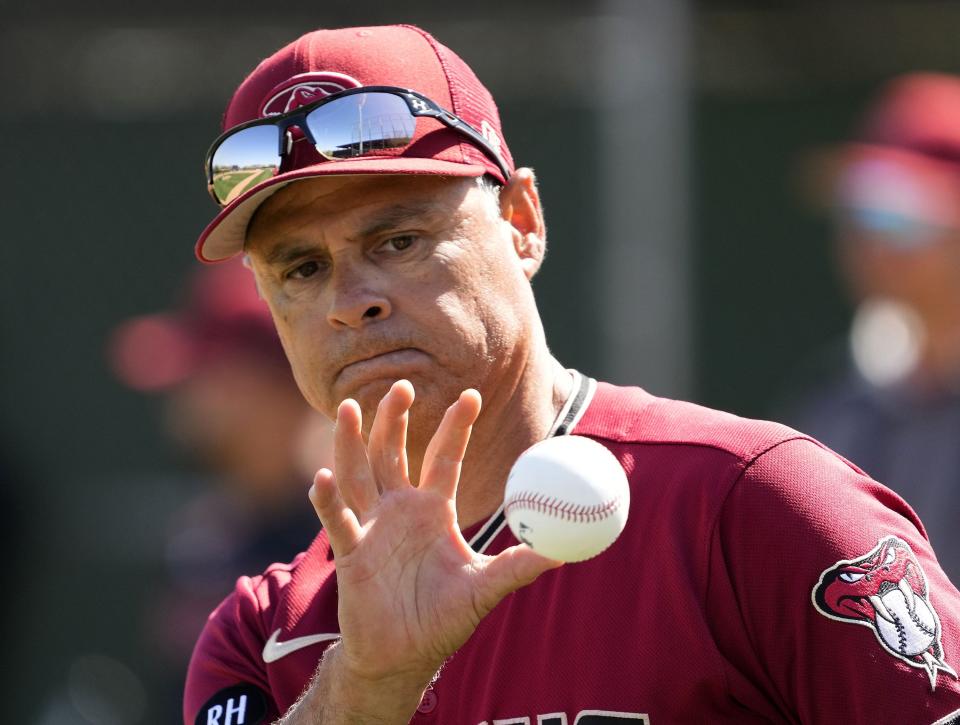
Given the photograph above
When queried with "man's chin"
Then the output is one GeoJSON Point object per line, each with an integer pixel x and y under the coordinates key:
{"type": "Point", "coordinates": [369, 394]}
{"type": "Point", "coordinates": [425, 413]}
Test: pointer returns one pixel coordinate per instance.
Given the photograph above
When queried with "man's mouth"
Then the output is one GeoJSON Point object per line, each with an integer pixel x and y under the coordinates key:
{"type": "Point", "coordinates": [382, 363]}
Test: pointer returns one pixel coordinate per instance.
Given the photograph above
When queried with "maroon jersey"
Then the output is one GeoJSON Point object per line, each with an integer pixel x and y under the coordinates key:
{"type": "Point", "coordinates": [760, 578]}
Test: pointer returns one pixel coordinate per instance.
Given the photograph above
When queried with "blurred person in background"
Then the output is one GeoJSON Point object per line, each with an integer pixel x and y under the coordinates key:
{"type": "Point", "coordinates": [891, 400]}
{"type": "Point", "coordinates": [231, 405]}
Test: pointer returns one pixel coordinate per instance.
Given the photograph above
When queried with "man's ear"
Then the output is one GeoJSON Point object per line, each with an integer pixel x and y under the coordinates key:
{"type": "Point", "coordinates": [520, 207]}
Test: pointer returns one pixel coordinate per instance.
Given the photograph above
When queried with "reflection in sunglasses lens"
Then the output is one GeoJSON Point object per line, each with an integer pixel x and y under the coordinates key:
{"type": "Point", "coordinates": [245, 159]}
{"type": "Point", "coordinates": [361, 125]}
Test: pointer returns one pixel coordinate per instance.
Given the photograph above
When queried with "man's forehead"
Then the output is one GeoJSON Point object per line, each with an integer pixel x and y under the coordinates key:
{"type": "Point", "coordinates": [356, 189]}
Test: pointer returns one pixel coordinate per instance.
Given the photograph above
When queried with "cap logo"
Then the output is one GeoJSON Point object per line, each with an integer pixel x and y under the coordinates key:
{"type": "Point", "coordinates": [305, 88]}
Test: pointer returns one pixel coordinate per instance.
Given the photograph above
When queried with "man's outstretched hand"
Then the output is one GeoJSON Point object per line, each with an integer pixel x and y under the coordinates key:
{"type": "Point", "coordinates": [411, 591]}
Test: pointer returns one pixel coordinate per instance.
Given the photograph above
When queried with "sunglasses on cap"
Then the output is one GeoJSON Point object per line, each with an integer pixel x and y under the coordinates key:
{"type": "Point", "coordinates": [351, 124]}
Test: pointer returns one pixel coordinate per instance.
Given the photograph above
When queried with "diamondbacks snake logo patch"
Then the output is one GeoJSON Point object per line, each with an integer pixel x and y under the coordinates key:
{"type": "Point", "coordinates": [886, 590]}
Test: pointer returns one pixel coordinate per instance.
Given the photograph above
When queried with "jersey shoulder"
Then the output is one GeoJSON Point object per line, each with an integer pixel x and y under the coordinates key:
{"type": "Point", "coordinates": [233, 658]}
{"type": "Point", "coordinates": [284, 591]}
{"type": "Point", "coordinates": [257, 602]}
{"type": "Point", "coordinates": [632, 415]}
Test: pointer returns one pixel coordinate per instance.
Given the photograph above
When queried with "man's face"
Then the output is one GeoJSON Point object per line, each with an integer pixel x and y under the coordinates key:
{"type": "Point", "coordinates": [375, 278]}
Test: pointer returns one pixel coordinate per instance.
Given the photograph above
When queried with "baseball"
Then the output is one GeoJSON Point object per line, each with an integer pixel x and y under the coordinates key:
{"type": "Point", "coordinates": [567, 498]}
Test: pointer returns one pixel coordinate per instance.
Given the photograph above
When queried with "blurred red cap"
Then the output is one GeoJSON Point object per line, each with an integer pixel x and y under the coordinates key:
{"type": "Point", "coordinates": [222, 316]}
{"type": "Point", "coordinates": [919, 112]}
{"type": "Point", "coordinates": [905, 155]}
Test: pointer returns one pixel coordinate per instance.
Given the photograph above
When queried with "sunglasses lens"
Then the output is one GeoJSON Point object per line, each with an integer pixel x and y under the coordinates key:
{"type": "Point", "coordinates": [361, 125]}
{"type": "Point", "coordinates": [245, 159]}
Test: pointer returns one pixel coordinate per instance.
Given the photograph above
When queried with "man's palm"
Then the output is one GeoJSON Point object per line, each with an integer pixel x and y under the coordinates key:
{"type": "Point", "coordinates": [411, 591]}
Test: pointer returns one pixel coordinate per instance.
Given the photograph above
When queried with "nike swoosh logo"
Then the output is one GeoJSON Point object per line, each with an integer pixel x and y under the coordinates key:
{"type": "Point", "coordinates": [274, 649]}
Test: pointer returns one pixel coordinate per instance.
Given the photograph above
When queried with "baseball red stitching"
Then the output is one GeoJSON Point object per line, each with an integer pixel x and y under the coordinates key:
{"type": "Point", "coordinates": [563, 509]}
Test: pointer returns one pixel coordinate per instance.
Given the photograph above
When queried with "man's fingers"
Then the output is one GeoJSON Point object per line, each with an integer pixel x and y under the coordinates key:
{"type": "Point", "coordinates": [354, 478]}
{"type": "Point", "coordinates": [444, 454]}
{"type": "Point", "coordinates": [341, 524]}
{"type": "Point", "coordinates": [387, 449]}
{"type": "Point", "coordinates": [510, 570]}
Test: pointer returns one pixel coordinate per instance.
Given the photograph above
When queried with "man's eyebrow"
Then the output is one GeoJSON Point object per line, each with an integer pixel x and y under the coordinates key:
{"type": "Point", "coordinates": [284, 255]}
{"type": "Point", "coordinates": [391, 217]}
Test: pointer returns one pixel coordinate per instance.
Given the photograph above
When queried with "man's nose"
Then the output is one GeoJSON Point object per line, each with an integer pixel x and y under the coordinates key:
{"type": "Point", "coordinates": [357, 300]}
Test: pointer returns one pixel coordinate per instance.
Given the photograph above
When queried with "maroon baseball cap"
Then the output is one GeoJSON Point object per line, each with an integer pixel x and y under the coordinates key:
{"type": "Point", "coordinates": [324, 62]}
{"type": "Point", "coordinates": [221, 317]}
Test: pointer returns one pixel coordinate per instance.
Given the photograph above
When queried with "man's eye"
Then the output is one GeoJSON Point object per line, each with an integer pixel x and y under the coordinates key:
{"type": "Point", "coordinates": [307, 269]}
{"type": "Point", "coordinates": [400, 242]}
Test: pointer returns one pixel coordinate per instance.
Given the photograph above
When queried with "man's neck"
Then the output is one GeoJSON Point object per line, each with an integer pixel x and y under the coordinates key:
{"type": "Point", "coordinates": [512, 420]}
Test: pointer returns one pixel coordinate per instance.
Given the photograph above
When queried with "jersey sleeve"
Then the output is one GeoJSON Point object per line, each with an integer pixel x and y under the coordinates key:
{"type": "Point", "coordinates": [829, 603]}
{"type": "Point", "coordinates": [226, 679]}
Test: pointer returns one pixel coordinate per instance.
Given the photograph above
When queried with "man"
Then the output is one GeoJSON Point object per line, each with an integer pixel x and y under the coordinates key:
{"type": "Point", "coordinates": [400, 286]}
{"type": "Point", "coordinates": [893, 405]}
